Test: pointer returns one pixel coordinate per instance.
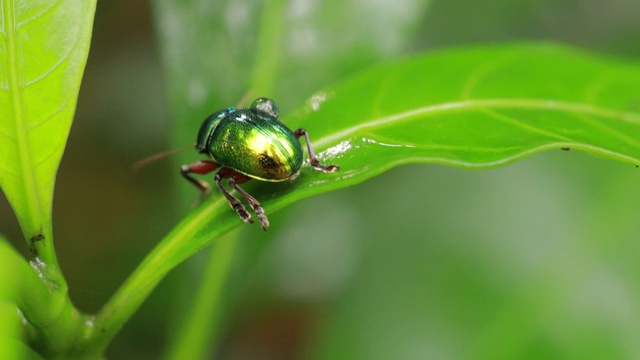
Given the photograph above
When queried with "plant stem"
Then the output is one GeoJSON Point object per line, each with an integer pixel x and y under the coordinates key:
{"type": "Point", "coordinates": [23, 285]}
{"type": "Point", "coordinates": [52, 319]}
{"type": "Point", "coordinates": [199, 330]}
{"type": "Point", "coordinates": [190, 236]}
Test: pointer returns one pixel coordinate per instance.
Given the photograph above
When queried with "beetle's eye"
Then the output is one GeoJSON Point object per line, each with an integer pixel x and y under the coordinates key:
{"type": "Point", "coordinates": [265, 105]}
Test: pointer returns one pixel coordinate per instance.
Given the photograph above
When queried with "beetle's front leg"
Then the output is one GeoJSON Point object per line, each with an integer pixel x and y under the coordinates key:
{"type": "Point", "coordinates": [255, 204]}
{"type": "Point", "coordinates": [201, 167]}
{"type": "Point", "coordinates": [313, 160]}
{"type": "Point", "coordinates": [235, 204]}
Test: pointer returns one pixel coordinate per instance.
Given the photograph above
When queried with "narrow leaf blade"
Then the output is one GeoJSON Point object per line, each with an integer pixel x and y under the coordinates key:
{"type": "Point", "coordinates": [43, 50]}
{"type": "Point", "coordinates": [478, 107]}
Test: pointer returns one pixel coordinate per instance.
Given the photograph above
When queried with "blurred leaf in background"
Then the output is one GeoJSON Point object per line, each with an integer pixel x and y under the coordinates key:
{"type": "Point", "coordinates": [216, 52]}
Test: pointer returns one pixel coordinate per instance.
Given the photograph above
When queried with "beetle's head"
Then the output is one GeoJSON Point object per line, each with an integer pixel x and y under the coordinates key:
{"type": "Point", "coordinates": [208, 126]}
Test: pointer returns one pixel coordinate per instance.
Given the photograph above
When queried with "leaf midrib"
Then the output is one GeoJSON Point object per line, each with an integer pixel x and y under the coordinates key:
{"type": "Point", "coordinates": [508, 103]}
{"type": "Point", "coordinates": [19, 119]}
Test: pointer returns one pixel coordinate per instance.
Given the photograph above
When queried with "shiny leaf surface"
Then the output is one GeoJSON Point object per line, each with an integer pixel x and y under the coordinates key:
{"type": "Point", "coordinates": [476, 108]}
{"type": "Point", "coordinates": [43, 49]}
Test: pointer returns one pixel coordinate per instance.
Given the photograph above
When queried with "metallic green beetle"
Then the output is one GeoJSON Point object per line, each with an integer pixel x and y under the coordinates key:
{"type": "Point", "coordinates": [249, 144]}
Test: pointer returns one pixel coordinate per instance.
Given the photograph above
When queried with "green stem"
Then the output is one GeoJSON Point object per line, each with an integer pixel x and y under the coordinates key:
{"type": "Point", "coordinates": [194, 339]}
{"type": "Point", "coordinates": [190, 236]}
{"type": "Point", "coordinates": [21, 284]}
{"type": "Point", "coordinates": [52, 320]}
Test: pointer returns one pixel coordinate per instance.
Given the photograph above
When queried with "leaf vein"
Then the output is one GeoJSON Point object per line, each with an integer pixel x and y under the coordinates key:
{"type": "Point", "coordinates": [50, 154]}
{"type": "Point", "coordinates": [24, 160]}
{"type": "Point", "coordinates": [63, 59]}
{"type": "Point", "coordinates": [597, 87]}
{"type": "Point", "coordinates": [515, 103]}
{"type": "Point", "coordinates": [7, 135]}
{"type": "Point", "coordinates": [514, 157]}
{"type": "Point", "coordinates": [25, 22]}
{"type": "Point", "coordinates": [528, 127]}
{"type": "Point", "coordinates": [6, 171]}
{"type": "Point", "coordinates": [482, 71]}
{"type": "Point", "coordinates": [606, 128]}
{"type": "Point", "coordinates": [51, 116]}
{"type": "Point", "coordinates": [387, 141]}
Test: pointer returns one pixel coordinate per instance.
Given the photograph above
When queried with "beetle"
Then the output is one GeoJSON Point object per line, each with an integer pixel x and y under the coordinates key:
{"type": "Point", "coordinates": [249, 144]}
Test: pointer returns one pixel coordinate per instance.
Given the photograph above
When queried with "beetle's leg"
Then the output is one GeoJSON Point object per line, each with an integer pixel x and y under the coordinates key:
{"type": "Point", "coordinates": [313, 160]}
{"type": "Point", "coordinates": [235, 204]}
{"type": "Point", "coordinates": [199, 167]}
{"type": "Point", "coordinates": [237, 179]}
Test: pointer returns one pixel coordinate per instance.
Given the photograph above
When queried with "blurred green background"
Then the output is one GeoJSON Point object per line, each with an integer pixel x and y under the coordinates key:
{"type": "Point", "coordinates": [536, 259]}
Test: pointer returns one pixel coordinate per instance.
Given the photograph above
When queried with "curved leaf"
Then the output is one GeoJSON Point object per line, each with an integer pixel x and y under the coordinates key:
{"type": "Point", "coordinates": [43, 49]}
{"type": "Point", "coordinates": [479, 107]}
{"type": "Point", "coordinates": [471, 108]}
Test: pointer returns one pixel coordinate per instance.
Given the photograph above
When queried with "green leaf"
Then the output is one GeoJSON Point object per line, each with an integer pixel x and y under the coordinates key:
{"type": "Point", "coordinates": [476, 108]}
{"type": "Point", "coordinates": [471, 108]}
{"type": "Point", "coordinates": [43, 50]}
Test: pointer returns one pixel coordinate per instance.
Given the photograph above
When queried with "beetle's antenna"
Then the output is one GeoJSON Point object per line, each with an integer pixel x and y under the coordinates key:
{"type": "Point", "coordinates": [155, 157]}
{"type": "Point", "coordinates": [244, 99]}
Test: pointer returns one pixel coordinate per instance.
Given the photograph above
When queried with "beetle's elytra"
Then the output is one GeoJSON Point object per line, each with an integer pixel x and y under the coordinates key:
{"type": "Point", "coordinates": [249, 144]}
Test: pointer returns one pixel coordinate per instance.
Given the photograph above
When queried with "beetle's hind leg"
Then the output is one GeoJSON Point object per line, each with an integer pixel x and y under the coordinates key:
{"type": "Point", "coordinates": [234, 180]}
{"type": "Point", "coordinates": [313, 160]}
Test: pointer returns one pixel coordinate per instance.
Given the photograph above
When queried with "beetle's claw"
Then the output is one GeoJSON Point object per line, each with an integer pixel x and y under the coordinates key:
{"type": "Point", "coordinates": [264, 222]}
{"type": "Point", "coordinates": [327, 168]}
{"type": "Point", "coordinates": [243, 213]}
{"type": "Point", "coordinates": [324, 168]}
{"type": "Point", "coordinates": [332, 168]}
